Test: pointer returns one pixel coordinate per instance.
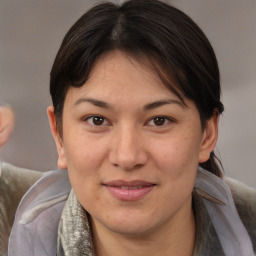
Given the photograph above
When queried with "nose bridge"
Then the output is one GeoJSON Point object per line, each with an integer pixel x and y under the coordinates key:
{"type": "Point", "coordinates": [128, 150]}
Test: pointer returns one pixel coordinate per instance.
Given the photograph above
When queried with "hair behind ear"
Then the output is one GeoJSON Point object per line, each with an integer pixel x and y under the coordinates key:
{"type": "Point", "coordinates": [213, 165]}
{"type": "Point", "coordinates": [210, 161]}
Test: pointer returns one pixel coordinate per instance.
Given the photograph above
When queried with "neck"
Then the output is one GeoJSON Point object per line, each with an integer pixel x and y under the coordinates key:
{"type": "Point", "coordinates": [174, 238]}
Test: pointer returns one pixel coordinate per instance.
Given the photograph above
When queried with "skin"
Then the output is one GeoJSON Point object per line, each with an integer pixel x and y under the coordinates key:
{"type": "Point", "coordinates": [128, 143]}
{"type": "Point", "coordinates": [7, 121]}
{"type": "Point", "coordinates": [6, 124]}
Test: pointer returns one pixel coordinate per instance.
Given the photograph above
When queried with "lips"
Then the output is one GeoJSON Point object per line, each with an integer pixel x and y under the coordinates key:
{"type": "Point", "coordinates": [129, 191]}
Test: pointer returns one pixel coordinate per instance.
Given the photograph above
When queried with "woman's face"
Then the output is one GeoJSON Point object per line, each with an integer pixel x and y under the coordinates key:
{"type": "Point", "coordinates": [131, 147]}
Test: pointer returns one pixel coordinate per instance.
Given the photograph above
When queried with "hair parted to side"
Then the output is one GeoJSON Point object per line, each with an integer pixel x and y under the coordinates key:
{"type": "Point", "coordinates": [175, 46]}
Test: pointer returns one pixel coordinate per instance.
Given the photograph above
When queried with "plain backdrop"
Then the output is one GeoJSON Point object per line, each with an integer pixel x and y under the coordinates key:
{"type": "Point", "coordinates": [31, 33]}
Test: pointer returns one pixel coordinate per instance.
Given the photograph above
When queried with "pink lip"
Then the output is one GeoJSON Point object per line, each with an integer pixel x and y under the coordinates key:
{"type": "Point", "coordinates": [129, 190]}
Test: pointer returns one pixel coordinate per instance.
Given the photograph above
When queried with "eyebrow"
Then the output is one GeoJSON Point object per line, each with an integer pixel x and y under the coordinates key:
{"type": "Point", "coordinates": [149, 106]}
{"type": "Point", "coordinates": [95, 102]}
{"type": "Point", "coordinates": [160, 103]}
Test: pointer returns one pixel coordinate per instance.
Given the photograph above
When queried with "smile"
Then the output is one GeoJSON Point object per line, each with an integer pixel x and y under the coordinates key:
{"type": "Point", "coordinates": [129, 191]}
{"type": "Point", "coordinates": [131, 187]}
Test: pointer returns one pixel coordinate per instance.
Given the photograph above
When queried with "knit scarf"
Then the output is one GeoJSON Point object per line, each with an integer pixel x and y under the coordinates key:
{"type": "Point", "coordinates": [74, 233]}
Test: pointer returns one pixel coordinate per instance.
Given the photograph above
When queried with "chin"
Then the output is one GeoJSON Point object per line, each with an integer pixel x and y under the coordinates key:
{"type": "Point", "coordinates": [132, 229]}
{"type": "Point", "coordinates": [130, 224]}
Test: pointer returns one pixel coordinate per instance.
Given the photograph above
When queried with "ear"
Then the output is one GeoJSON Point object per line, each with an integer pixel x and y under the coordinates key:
{"type": "Point", "coordinates": [62, 163]}
{"type": "Point", "coordinates": [209, 138]}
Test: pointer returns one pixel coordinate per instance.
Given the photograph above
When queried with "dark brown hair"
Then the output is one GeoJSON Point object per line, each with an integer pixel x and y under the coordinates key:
{"type": "Point", "coordinates": [175, 46]}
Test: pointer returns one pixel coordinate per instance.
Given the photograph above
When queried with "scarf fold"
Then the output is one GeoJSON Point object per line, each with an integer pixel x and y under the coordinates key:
{"type": "Point", "coordinates": [220, 206]}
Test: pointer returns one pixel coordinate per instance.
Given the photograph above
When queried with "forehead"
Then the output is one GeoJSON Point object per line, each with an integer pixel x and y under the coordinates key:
{"type": "Point", "coordinates": [116, 74]}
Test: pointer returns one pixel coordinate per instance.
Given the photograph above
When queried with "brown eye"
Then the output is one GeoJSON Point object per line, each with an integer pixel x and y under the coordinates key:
{"type": "Point", "coordinates": [96, 120]}
{"type": "Point", "coordinates": [159, 121]}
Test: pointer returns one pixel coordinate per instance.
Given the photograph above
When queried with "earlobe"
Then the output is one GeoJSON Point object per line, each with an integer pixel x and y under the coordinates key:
{"type": "Point", "coordinates": [62, 163]}
{"type": "Point", "coordinates": [209, 138]}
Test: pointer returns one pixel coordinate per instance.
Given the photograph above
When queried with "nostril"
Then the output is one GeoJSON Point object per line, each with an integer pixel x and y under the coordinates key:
{"type": "Point", "coordinates": [137, 166]}
{"type": "Point", "coordinates": [128, 168]}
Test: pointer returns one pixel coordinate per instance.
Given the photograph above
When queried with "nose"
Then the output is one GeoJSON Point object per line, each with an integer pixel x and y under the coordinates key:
{"type": "Point", "coordinates": [128, 151]}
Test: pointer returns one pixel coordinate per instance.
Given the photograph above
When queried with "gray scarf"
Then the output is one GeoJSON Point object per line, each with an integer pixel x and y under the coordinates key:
{"type": "Point", "coordinates": [74, 234]}
{"type": "Point", "coordinates": [75, 239]}
{"type": "Point", "coordinates": [220, 230]}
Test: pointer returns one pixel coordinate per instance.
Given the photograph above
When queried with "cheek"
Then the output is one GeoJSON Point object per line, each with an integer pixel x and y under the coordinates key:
{"type": "Point", "coordinates": [177, 162]}
{"type": "Point", "coordinates": [177, 154]}
{"type": "Point", "coordinates": [83, 162]}
{"type": "Point", "coordinates": [83, 153]}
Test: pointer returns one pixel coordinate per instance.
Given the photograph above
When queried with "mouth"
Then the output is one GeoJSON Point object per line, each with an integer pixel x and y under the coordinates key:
{"type": "Point", "coordinates": [129, 191]}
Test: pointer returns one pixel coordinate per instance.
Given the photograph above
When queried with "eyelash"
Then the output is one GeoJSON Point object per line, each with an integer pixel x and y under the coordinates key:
{"type": "Point", "coordinates": [101, 119]}
{"type": "Point", "coordinates": [97, 118]}
{"type": "Point", "coordinates": [160, 118]}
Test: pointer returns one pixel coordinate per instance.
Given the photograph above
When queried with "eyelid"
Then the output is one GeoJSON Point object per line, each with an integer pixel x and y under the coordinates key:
{"type": "Point", "coordinates": [167, 118]}
{"type": "Point", "coordinates": [88, 117]}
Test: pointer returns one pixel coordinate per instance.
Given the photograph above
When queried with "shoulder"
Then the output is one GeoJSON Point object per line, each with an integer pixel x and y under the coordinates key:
{"type": "Point", "coordinates": [245, 201]}
{"type": "Point", "coordinates": [14, 183]}
{"type": "Point", "coordinates": [244, 197]}
{"type": "Point", "coordinates": [18, 176]}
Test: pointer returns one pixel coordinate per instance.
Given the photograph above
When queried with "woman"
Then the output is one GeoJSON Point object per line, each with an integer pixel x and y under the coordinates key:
{"type": "Point", "coordinates": [136, 101]}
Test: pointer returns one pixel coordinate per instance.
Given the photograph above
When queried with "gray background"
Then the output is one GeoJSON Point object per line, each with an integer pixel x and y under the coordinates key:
{"type": "Point", "coordinates": [31, 32]}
